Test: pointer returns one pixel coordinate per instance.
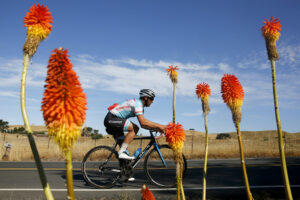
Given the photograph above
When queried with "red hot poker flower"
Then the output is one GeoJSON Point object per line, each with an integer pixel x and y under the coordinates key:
{"type": "Point", "coordinates": [271, 29]}
{"type": "Point", "coordinates": [233, 95]}
{"type": "Point", "coordinates": [175, 136]}
{"type": "Point", "coordinates": [146, 193]}
{"type": "Point", "coordinates": [203, 91]}
{"type": "Point", "coordinates": [37, 21]}
{"type": "Point", "coordinates": [173, 73]}
{"type": "Point", "coordinates": [64, 103]}
{"type": "Point", "coordinates": [232, 91]}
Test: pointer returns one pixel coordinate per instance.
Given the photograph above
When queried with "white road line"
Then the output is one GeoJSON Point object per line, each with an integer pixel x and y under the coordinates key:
{"type": "Point", "coordinates": [152, 189]}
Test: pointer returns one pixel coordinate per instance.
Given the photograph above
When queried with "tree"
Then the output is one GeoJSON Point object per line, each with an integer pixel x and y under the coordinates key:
{"type": "Point", "coordinates": [3, 125]}
{"type": "Point", "coordinates": [89, 129]}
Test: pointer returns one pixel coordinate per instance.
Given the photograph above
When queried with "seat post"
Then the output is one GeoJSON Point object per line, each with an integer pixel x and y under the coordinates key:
{"type": "Point", "coordinates": [119, 140]}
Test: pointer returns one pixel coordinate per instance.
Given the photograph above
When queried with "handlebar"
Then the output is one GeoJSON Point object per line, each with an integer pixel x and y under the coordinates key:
{"type": "Point", "coordinates": [154, 130]}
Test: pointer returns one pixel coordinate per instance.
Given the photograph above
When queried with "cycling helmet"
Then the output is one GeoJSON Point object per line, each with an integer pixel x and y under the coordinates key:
{"type": "Point", "coordinates": [147, 93]}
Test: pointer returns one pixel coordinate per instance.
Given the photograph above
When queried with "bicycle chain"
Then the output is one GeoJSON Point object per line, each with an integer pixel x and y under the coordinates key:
{"type": "Point", "coordinates": [126, 170]}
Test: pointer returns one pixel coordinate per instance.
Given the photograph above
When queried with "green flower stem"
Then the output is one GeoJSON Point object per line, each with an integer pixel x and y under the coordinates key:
{"type": "Point", "coordinates": [174, 101]}
{"type": "Point", "coordinates": [249, 195]}
{"type": "Point", "coordinates": [205, 158]}
{"type": "Point", "coordinates": [181, 185]}
{"type": "Point", "coordinates": [178, 179]}
{"type": "Point", "coordinates": [23, 86]}
{"type": "Point", "coordinates": [287, 187]}
{"type": "Point", "coordinates": [69, 171]}
{"type": "Point", "coordinates": [35, 153]}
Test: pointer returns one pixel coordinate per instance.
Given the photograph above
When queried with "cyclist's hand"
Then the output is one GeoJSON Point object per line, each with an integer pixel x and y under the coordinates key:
{"type": "Point", "coordinates": [160, 135]}
{"type": "Point", "coordinates": [162, 129]}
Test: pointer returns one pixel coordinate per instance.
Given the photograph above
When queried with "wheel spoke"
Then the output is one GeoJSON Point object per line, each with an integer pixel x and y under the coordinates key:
{"type": "Point", "coordinates": [154, 167]}
{"type": "Point", "coordinates": [100, 167]}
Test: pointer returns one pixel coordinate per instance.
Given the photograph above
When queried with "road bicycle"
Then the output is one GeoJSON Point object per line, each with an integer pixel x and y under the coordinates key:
{"type": "Point", "coordinates": [102, 168]}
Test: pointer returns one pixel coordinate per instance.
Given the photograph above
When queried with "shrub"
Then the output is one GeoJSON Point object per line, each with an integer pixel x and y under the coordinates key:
{"type": "Point", "coordinates": [96, 136]}
{"type": "Point", "coordinates": [223, 136]}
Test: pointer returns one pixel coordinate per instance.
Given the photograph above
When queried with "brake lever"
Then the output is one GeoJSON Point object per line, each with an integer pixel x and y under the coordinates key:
{"type": "Point", "coordinates": [157, 137]}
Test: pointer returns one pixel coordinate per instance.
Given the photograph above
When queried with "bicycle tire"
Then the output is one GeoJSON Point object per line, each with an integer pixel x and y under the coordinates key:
{"type": "Point", "coordinates": [96, 172]}
{"type": "Point", "coordinates": [153, 166]}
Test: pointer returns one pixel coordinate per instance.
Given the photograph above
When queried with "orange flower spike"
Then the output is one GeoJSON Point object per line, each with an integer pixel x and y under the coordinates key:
{"type": "Point", "coordinates": [64, 103]}
{"type": "Point", "coordinates": [146, 193]}
{"type": "Point", "coordinates": [203, 91]}
{"type": "Point", "coordinates": [232, 91]}
{"type": "Point", "coordinates": [175, 136]}
{"type": "Point", "coordinates": [173, 73]}
{"type": "Point", "coordinates": [37, 21]}
{"type": "Point", "coordinates": [233, 95]}
{"type": "Point", "coordinates": [271, 29]}
{"type": "Point", "coordinates": [271, 32]}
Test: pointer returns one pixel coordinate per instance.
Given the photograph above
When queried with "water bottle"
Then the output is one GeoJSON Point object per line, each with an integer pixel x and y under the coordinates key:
{"type": "Point", "coordinates": [137, 153]}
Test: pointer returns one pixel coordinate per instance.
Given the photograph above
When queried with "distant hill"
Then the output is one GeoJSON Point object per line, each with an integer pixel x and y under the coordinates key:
{"type": "Point", "coordinates": [245, 134]}
{"type": "Point", "coordinates": [34, 128]}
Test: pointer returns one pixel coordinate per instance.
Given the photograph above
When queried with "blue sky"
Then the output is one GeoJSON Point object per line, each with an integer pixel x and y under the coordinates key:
{"type": "Point", "coordinates": [119, 47]}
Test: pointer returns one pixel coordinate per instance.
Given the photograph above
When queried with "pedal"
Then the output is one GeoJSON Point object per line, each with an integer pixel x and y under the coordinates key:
{"type": "Point", "coordinates": [126, 170]}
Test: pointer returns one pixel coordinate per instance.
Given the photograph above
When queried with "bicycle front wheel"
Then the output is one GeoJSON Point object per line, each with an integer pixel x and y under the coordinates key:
{"type": "Point", "coordinates": [157, 172]}
{"type": "Point", "coordinates": [100, 167]}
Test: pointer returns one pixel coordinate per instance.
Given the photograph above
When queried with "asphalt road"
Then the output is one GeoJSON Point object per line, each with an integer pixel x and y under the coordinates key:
{"type": "Point", "coordinates": [20, 180]}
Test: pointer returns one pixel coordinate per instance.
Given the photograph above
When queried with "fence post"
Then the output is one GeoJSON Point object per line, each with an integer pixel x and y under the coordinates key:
{"type": "Point", "coordinates": [7, 146]}
{"type": "Point", "coordinates": [192, 146]}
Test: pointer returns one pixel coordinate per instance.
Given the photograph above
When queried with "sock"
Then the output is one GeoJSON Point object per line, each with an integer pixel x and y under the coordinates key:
{"type": "Point", "coordinates": [123, 148]}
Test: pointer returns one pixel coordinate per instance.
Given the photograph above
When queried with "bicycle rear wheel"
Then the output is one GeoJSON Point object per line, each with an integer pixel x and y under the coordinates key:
{"type": "Point", "coordinates": [100, 167]}
{"type": "Point", "coordinates": [157, 172]}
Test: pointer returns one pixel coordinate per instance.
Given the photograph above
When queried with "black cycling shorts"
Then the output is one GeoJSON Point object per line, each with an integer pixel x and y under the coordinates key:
{"type": "Point", "coordinates": [114, 125]}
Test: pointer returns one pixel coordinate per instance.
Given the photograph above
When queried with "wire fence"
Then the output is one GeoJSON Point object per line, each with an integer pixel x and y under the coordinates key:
{"type": "Point", "coordinates": [254, 146]}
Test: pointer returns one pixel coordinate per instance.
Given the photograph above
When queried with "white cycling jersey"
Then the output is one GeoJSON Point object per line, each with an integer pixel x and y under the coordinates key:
{"type": "Point", "coordinates": [127, 109]}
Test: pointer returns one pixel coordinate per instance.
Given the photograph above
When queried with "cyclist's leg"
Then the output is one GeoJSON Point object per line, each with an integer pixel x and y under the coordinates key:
{"type": "Point", "coordinates": [131, 130]}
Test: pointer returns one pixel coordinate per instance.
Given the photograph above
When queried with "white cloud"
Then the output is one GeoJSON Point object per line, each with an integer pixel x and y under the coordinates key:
{"type": "Point", "coordinates": [289, 54]}
{"type": "Point", "coordinates": [9, 94]}
{"type": "Point", "coordinates": [197, 113]}
{"type": "Point", "coordinates": [224, 67]}
{"type": "Point", "coordinates": [193, 114]}
{"type": "Point", "coordinates": [11, 73]}
{"type": "Point", "coordinates": [128, 76]}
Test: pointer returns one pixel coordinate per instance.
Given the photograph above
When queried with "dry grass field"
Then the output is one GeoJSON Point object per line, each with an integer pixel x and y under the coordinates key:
{"type": "Point", "coordinates": [256, 144]}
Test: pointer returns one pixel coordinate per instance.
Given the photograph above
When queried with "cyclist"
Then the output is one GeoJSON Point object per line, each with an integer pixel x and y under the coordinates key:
{"type": "Point", "coordinates": [117, 123]}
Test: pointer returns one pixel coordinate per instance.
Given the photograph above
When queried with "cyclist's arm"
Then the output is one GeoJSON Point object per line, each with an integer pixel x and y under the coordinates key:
{"type": "Point", "coordinates": [147, 124]}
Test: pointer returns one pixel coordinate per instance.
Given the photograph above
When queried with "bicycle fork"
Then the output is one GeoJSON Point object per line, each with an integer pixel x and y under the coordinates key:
{"type": "Point", "coordinates": [160, 155]}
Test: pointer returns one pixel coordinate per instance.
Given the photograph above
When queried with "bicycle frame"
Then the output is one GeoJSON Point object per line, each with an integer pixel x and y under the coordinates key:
{"type": "Point", "coordinates": [121, 170]}
{"type": "Point", "coordinates": [146, 149]}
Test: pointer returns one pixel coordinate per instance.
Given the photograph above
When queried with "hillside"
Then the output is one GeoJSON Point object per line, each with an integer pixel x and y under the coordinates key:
{"type": "Point", "coordinates": [35, 128]}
